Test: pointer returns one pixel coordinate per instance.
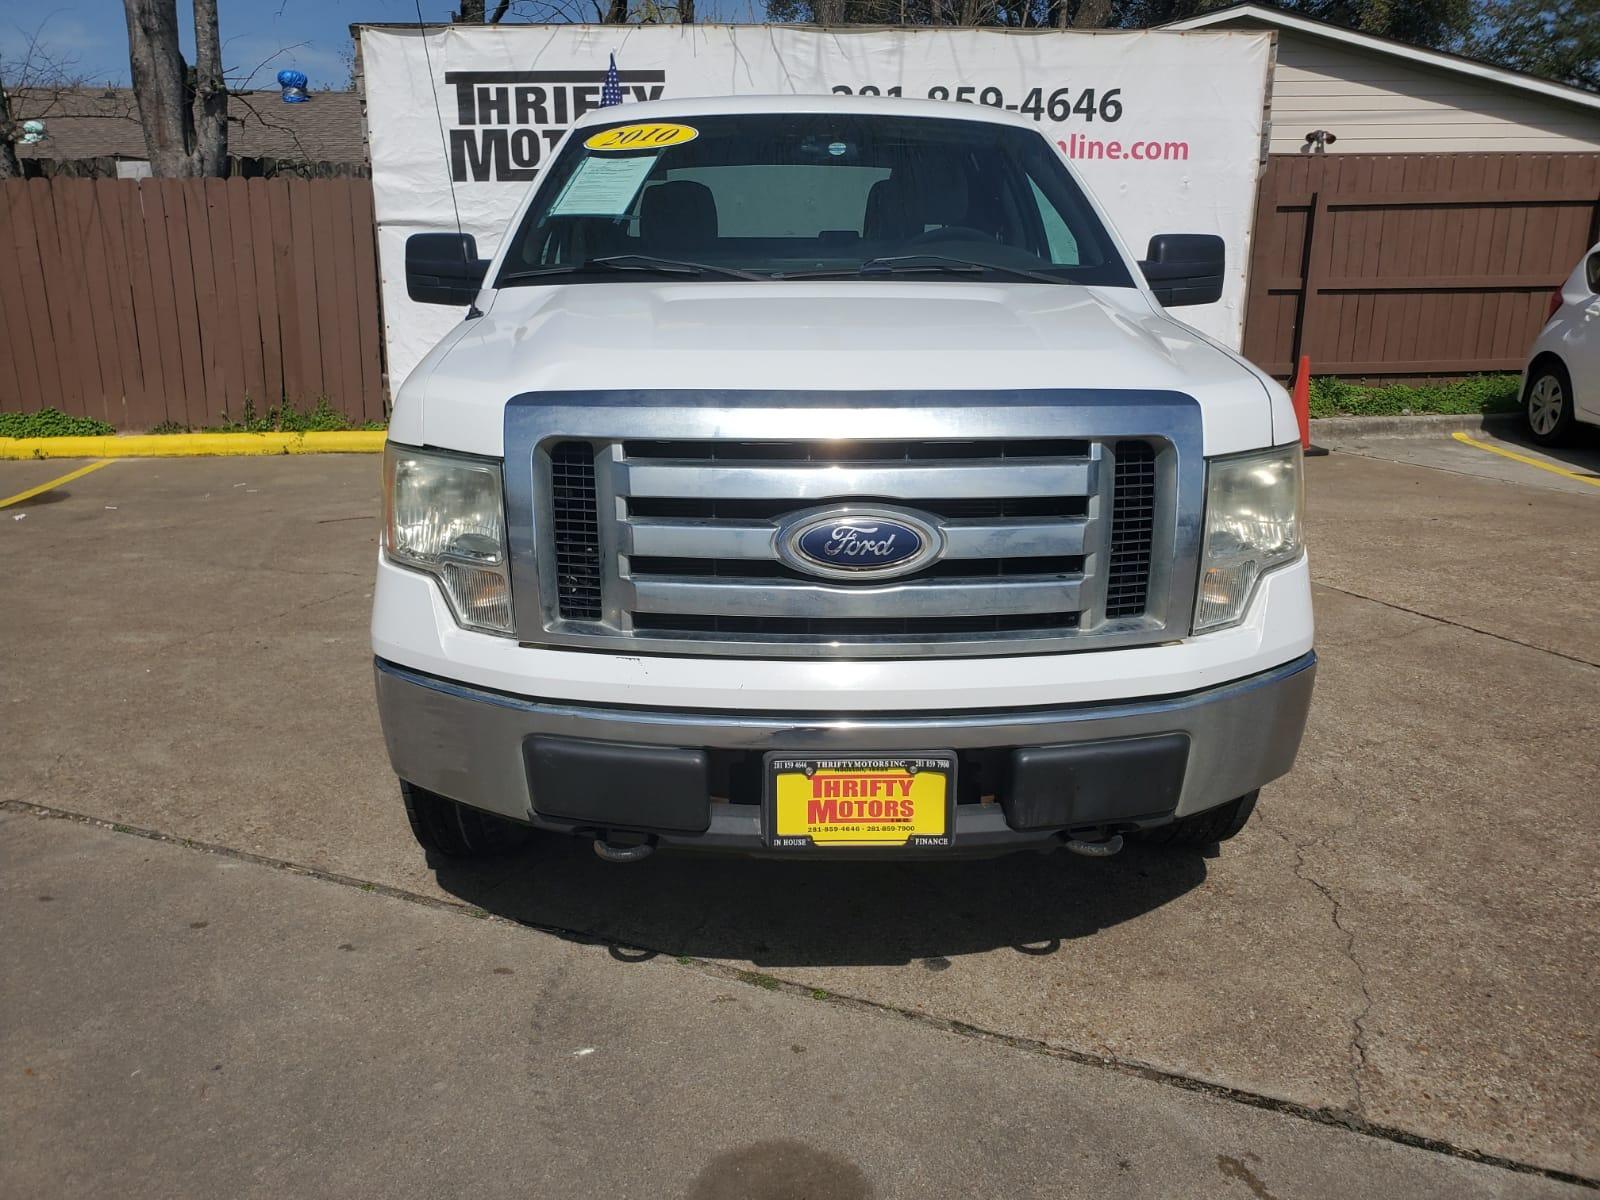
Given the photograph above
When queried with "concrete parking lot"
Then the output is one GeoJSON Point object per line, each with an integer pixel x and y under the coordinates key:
{"type": "Point", "coordinates": [230, 970]}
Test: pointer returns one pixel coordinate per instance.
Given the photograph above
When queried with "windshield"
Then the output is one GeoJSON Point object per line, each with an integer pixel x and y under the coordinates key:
{"type": "Point", "coordinates": [796, 195]}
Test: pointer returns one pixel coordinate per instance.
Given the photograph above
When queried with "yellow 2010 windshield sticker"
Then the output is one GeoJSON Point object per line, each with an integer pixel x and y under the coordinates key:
{"type": "Point", "coordinates": [651, 136]}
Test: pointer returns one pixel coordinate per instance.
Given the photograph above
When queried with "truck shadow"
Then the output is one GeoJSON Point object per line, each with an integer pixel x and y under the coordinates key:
{"type": "Point", "coordinates": [791, 914]}
{"type": "Point", "coordinates": [1581, 454]}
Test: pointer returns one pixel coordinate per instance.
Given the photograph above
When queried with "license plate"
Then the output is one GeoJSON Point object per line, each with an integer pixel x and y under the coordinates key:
{"type": "Point", "coordinates": [888, 800]}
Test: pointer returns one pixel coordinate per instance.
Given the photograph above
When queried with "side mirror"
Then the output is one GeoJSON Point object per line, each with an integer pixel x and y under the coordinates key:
{"type": "Point", "coordinates": [444, 268]}
{"type": "Point", "coordinates": [1185, 268]}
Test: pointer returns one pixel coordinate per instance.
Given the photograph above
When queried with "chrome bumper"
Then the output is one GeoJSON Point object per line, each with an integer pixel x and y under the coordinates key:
{"type": "Point", "coordinates": [468, 743]}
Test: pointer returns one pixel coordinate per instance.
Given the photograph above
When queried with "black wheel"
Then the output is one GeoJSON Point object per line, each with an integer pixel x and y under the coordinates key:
{"type": "Point", "coordinates": [1205, 828]}
{"type": "Point", "coordinates": [456, 831]}
{"type": "Point", "coordinates": [1548, 405]}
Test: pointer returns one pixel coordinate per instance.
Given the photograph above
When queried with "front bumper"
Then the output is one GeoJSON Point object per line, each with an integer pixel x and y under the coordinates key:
{"type": "Point", "coordinates": [470, 744]}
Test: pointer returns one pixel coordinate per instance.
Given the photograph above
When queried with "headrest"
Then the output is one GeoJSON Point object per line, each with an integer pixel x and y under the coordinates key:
{"type": "Point", "coordinates": [918, 195]}
{"type": "Point", "coordinates": [889, 217]}
{"type": "Point", "coordinates": [941, 187]}
{"type": "Point", "coordinates": [678, 214]}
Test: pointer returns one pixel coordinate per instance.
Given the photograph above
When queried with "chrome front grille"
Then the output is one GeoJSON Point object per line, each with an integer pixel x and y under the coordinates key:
{"type": "Point", "coordinates": [672, 544]}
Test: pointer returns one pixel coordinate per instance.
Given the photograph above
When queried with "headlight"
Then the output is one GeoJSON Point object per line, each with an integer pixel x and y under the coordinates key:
{"type": "Point", "coordinates": [1253, 506]}
{"type": "Point", "coordinates": [444, 514]}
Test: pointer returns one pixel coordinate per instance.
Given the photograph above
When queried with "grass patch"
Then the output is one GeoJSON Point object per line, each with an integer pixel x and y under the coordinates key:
{"type": "Point", "coordinates": [1333, 397]}
{"type": "Point", "coordinates": [322, 417]}
{"type": "Point", "coordinates": [761, 981]}
{"type": "Point", "coordinates": [50, 422]}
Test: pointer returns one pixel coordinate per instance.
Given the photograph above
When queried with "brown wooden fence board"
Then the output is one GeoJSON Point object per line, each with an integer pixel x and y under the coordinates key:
{"type": "Point", "coordinates": [62, 288]}
{"type": "Point", "coordinates": [154, 316]}
{"type": "Point", "coordinates": [113, 237]}
{"type": "Point", "coordinates": [236, 196]}
{"type": "Point", "coordinates": [283, 273]}
{"type": "Point", "coordinates": [54, 285]}
{"type": "Point", "coordinates": [175, 300]}
{"type": "Point", "coordinates": [1413, 264]}
{"type": "Point", "coordinates": [326, 282]}
{"type": "Point", "coordinates": [343, 233]}
{"type": "Point", "coordinates": [304, 264]}
{"type": "Point", "coordinates": [80, 322]}
{"type": "Point", "coordinates": [218, 234]}
{"type": "Point", "coordinates": [266, 293]}
{"type": "Point", "coordinates": [206, 317]}
{"type": "Point", "coordinates": [103, 297]}
{"type": "Point", "coordinates": [173, 272]}
{"type": "Point", "coordinates": [365, 233]}
{"type": "Point", "coordinates": [20, 371]}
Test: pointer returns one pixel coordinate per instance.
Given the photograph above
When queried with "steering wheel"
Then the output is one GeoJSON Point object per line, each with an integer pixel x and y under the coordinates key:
{"type": "Point", "coordinates": [948, 233]}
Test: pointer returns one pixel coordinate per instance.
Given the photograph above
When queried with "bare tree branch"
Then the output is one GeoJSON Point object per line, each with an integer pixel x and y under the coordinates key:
{"type": "Point", "coordinates": [247, 102]}
{"type": "Point", "coordinates": [241, 83]}
{"type": "Point", "coordinates": [10, 168]}
{"type": "Point", "coordinates": [30, 89]}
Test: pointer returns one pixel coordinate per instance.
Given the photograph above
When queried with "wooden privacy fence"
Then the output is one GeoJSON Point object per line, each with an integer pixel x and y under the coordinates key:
{"type": "Point", "coordinates": [181, 300]}
{"type": "Point", "coordinates": [1413, 264]}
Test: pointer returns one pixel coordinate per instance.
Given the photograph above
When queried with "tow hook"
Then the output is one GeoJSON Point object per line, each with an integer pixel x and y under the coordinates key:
{"type": "Point", "coordinates": [612, 852]}
{"type": "Point", "coordinates": [1101, 849]}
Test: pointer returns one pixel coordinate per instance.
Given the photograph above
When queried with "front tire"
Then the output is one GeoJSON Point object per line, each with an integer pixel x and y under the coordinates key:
{"type": "Point", "coordinates": [442, 826]}
{"type": "Point", "coordinates": [1548, 405]}
{"type": "Point", "coordinates": [1205, 828]}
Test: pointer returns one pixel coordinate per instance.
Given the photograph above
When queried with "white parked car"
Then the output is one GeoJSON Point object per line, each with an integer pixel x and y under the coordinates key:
{"type": "Point", "coordinates": [1561, 386]}
{"type": "Point", "coordinates": [824, 476]}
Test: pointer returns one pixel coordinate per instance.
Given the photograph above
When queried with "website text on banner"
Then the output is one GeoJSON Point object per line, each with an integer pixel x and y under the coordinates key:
{"type": "Point", "coordinates": [1166, 128]}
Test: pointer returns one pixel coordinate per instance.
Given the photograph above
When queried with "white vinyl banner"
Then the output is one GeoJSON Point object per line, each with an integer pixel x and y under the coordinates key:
{"type": "Point", "coordinates": [1164, 128]}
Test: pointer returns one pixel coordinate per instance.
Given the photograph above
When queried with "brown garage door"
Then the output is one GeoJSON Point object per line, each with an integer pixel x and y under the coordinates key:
{"type": "Point", "coordinates": [1412, 264]}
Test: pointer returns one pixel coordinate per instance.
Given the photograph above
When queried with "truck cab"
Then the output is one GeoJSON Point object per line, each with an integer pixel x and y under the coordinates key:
{"type": "Point", "coordinates": [823, 476]}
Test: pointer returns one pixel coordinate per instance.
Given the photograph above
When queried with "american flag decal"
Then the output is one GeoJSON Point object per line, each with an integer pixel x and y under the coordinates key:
{"type": "Point", "coordinates": [611, 90]}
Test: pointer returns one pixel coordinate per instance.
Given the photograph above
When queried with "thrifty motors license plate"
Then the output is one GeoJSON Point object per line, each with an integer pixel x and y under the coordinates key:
{"type": "Point", "coordinates": [899, 800]}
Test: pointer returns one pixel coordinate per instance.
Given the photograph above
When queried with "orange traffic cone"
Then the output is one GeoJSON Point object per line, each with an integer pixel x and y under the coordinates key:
{"type": "Point", "coordinates": [1302, 407]}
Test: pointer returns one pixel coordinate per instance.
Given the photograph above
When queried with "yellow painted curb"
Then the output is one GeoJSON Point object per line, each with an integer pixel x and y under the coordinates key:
{"type": "Point", "coordinates": [189, 445]}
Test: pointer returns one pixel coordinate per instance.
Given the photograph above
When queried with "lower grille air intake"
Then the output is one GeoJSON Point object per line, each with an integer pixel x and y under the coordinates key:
{"type": "Point", "coordinates": [1133, 512]}
{"type": "Point", "coordinates": [576, 525]}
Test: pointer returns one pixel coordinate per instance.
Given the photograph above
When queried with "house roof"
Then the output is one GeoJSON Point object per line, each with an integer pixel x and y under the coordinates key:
{"type": "Point", "coordinates": [104, 122]}
{"type": "Point", "coordinates": [1257, 15]}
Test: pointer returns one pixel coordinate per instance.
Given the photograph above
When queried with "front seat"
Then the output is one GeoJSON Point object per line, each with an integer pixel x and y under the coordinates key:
{"type": "Point", "coordinates": [677, 218]}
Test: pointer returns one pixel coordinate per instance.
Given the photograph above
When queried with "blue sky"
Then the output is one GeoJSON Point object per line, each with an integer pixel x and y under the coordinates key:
{"type": "Point", "coordinates": [310, 35]}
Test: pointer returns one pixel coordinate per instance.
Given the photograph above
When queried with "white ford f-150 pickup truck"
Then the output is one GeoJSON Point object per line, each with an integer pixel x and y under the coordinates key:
{"type": "Point", "coordinates": [822, 475]}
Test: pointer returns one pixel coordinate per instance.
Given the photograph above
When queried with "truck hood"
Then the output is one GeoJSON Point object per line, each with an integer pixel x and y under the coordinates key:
{"type": "Point", "coordinates": [846, 335]}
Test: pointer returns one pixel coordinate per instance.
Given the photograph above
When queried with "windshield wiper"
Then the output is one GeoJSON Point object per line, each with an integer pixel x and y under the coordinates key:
{"type": "Point", "coordinates": [626, 262]}
{"type": "Point", "coordinates": [921, 264]}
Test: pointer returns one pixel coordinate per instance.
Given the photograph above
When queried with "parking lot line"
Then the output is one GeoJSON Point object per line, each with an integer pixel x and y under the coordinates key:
{"type": "Point", "coordinates": [1523, 458]}
{"type": "Point", "coordinates": [54, 483]}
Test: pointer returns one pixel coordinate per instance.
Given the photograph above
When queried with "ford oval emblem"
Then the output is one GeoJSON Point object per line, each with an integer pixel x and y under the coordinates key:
{"type": "Point", "coordinates": [853, 541]}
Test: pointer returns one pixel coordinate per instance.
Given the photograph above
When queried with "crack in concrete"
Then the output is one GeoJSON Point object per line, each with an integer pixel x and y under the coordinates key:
{"type": "Point", "coordinates": [1499, 637]}
{"type": "Point", "coordinates": [1358, 1026]}
{"type": "Point", "coordinates": [256, 623]}
{"type": "Point", "coordinates": [1335, 1117]}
